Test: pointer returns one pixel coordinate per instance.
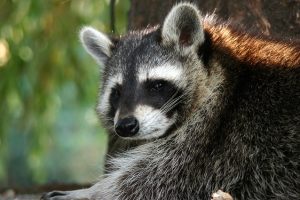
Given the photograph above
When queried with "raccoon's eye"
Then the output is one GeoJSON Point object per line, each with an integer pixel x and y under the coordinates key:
{"type": "Point", "coordinates": [156, 86]}
{"type": "Point", "coordinates": [115, 93]}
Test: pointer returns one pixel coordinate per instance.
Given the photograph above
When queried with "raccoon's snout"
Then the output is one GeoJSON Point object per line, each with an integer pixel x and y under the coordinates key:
{"type": "Point", "coordinates": [127, 127]}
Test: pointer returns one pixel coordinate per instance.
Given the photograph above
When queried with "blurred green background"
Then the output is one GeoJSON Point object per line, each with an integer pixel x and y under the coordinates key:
{"type": "Point", "coordinates": [49, 131]}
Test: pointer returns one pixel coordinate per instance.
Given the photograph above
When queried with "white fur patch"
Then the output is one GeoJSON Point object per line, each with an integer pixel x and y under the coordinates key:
{"type": "Point", "coordinates": [153, 123]}
{"type": "Point", "coordinates": [103, 105]}
{"type": "Point", "coordinates": [167, 72]}
{"type": "Point", "coordinates": [116, 116]}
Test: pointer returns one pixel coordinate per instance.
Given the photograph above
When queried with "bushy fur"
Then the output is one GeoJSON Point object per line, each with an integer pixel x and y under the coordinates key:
{"type": "Point", "coordinates": [240, 121]}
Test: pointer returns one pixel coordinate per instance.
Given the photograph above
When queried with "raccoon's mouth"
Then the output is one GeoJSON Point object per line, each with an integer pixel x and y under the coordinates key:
{"type": "Point", "coordinates": [157, 133]}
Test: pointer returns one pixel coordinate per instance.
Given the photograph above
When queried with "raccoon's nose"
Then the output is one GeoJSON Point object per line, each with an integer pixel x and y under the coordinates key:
{"type": "Point", "coordinates": [127, 127]}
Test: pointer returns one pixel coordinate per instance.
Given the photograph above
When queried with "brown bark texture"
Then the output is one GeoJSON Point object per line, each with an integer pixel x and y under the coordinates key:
{"type": "Point", "coordinates": [279, 19]}
{"type": "Point", "coordinates": [276, 18]}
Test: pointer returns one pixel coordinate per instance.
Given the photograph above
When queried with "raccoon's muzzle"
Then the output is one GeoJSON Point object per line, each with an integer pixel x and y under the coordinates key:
{"type": "Point", "coordinates": [127, 127]}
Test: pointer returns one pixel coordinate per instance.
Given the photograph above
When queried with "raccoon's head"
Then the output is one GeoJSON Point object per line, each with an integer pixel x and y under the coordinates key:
{"type": "Point", "coordinates": [147, 76]}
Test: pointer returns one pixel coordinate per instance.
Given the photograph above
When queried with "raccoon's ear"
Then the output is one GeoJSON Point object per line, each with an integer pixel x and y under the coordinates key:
{"type": "Point", "coordinates": [183, 27]}
{"type": "Point", "coordinates": [97, 44]}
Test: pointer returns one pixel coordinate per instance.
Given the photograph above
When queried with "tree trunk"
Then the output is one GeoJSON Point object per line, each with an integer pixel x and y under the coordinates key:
{"type": "Point", "coordinates": [274, 18]}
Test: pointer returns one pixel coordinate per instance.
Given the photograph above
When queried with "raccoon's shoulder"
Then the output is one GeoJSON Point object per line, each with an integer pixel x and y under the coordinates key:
{"type": "Point", "coordinates": [250, 48]}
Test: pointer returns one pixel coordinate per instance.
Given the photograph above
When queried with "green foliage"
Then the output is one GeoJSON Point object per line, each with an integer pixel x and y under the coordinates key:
{"type": "Point", "coordinates": [48, 87]}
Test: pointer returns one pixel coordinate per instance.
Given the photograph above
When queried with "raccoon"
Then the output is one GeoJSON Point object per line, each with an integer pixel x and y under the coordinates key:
{"type": "Point", "coordinates": [219, 109]}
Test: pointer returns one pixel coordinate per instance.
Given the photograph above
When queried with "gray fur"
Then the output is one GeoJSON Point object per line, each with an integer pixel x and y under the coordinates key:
{"type": "Point", "coordinates": [183, 20]}
{"type": "Point", "coordinates": [238, 130]}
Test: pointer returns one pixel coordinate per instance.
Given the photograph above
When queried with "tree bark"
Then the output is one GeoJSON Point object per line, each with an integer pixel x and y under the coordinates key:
{"type": "Point", "coordinates": [276, 18]}
{"type": "Point", "coordinates": [267, 17]}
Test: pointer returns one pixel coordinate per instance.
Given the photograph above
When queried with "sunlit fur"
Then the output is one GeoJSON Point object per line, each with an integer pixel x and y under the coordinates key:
{"type": "Point", "coordinates": [238, 126]}
{"type": "Point", "coordinates": [253, 50]}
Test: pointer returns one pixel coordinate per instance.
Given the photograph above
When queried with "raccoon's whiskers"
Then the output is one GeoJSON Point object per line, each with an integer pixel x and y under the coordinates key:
{"type": "Point", "coordinates": [169, 101]}
{"type": "Point", "coordinates": [110, 119]}
{"type": "Point", "coordinates": [169, 105]}
{"type": "Point", "coordinates": [172, 104]}
{"type": "Point", "coordinates": [110, 127]}
{"type": "Point", "coordinates": [164, 106]}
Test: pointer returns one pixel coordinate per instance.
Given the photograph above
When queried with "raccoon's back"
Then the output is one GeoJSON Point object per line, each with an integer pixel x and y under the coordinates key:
{"type": "Point", "coordinates": [261, 128]}
{"type": "Point", "coordinates": [268, 97]}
